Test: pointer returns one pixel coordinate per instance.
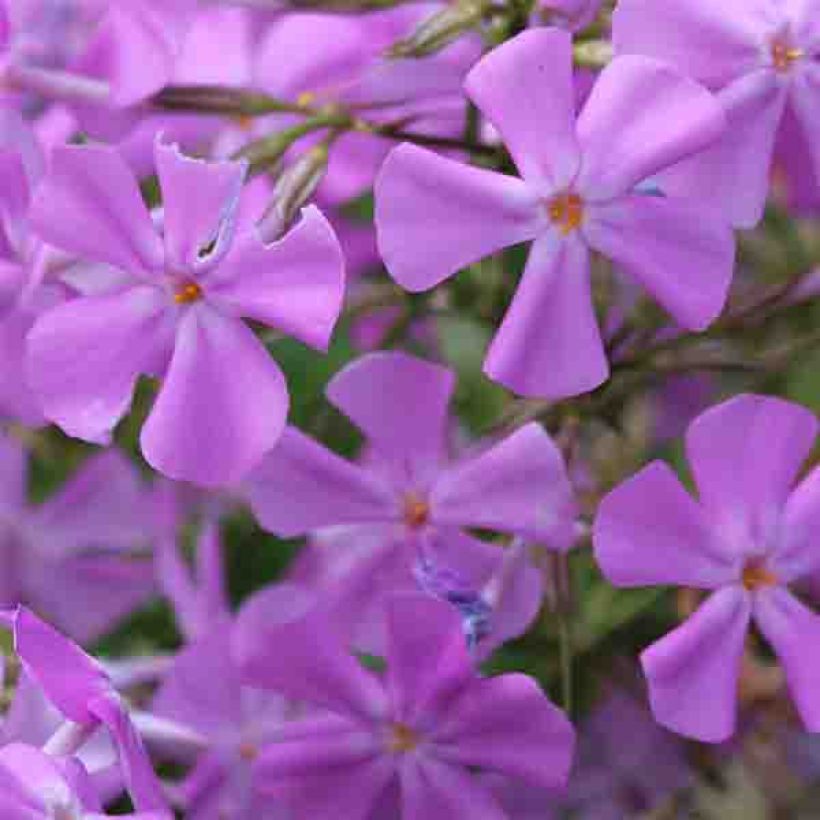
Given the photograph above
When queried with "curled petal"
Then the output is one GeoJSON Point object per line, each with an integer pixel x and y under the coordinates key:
{"type": "Point", "coordinates": [199, 200]}
{"type": "Point", "coordinates": [295, 284]}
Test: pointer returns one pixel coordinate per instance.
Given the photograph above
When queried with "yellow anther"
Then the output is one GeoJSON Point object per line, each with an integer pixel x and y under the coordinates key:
{"type": "Point", "coordinates": [784, 55]}
{"type": "Point", "coordinates": [566, 211]}
{"type": "Point", "coordinates": [416, 511]}
{"type": "Point", "coordinates": [401, 738]}
{"type": "Point", "coordinates": [187, 292]}
{"type": "Point", "coordinates": [305, 99]}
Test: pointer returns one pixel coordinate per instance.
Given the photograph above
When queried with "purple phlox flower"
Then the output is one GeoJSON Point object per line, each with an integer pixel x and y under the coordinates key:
{"type": "Point", "coordinates": [408, 501]}
{"type": "Point", "coordinates": [36, 786]}
{"type": "Point", "coordinates": [626, 763]}
{"type": "Point", "coordinates": [96, 53]}
{"type": "Point", "coordinates": [763, 60]}
{"type": "Point", "coordinates": [418, 735]}
{"type": "Point", "coordinates": [579, 192]}
{"type": "Point", "coordinates": [81, 557]}
{"type": "Point", "coordinates": [745, 540]}
{"type": "Point", "coordinates": [203, 692]}
{"type": "Point", "coordinates": [179, 317]}
{"type": "Point", "coordinates": [79, 687]}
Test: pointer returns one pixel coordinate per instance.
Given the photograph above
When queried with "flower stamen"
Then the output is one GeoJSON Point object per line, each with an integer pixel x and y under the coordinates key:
{"type": "Point", "coordinates": [757, 576]}
{"type": "Point", "coordinates": [187, 292]}
{"type": "Point", "coordinates": [416, 511]}
{"type": "Point", "coordinates": [784, 55]}
{"type": "Point", "coordinates": [401, 738]}
{"type": "Point", "coordinates": [566, 212]}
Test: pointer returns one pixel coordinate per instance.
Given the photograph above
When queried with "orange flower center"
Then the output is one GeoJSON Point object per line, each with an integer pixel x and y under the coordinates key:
{"type": "Point", "coordinates": [187, 292]}
{"type": "Point", "coordinates": [416, 511]}
{"type": "Point", "coordinates": [401, 738]}
{"type": "Point", "coordinates": [756, 576]}
{"type": "Point", "coordinates": [566, 211]}
{"type": "Point", "coordinates": [248, 751]}
{"type": "Point", "coordinates": [784, 54]}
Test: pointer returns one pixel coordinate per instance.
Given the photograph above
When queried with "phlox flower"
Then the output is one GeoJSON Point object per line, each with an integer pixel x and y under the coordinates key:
{"type": "Point", "coordinates": [408, 504]}
{"type": "Point", "coordinates": [81, 557]}
{"type": "Point", "coordinates": [762, 59]}
{"type": "Point", "coordinates": [409, 745]}
{"type": "Point", "coordinates": [177, 312]}
{"type": "Point", "coordinates": [97, 53]}
{"type": "Point", "coordinates": [745, 540]}
{"type": "Point", "coordinates": [81, 690]}
{"type": "Point", "coordinates": [580, 191]}
{"type": "Point", "coordinates": [36, 786]}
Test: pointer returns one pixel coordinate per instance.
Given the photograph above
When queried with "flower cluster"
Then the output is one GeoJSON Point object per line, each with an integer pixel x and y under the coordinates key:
{"type": "Point", "coordinates": [344, 351]}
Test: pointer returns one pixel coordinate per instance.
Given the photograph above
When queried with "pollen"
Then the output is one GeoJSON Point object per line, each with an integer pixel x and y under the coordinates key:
{"type": "Point", "coordinates": [784, 55]}
{"type": "Point", "coordinates": [566, 212]}
{"type": "Point", "coordinates": [305, 99]}
{"type": "Point", "coordinates": [401, 738]}
{"type": "Point", "coordinates": [187, 292]}
{"type": "Point", "coordinates": [416, 511]}
{"type": "Point", "coordinates": [756, 576]}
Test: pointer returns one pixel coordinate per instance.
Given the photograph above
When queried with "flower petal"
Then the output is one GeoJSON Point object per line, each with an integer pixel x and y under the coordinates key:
{"type": "Point", "coordinates": [805, 101]}
{"type": "Point", "coordinates": [549, 344]}
{"type": "Point", "coordinates": [693, 671]}
{"type": "Point", "coordinates": [84, 357]}
{"type": "Point", "coordinates": [733, 175]}
{"type": "Point", "coordinates": [641, 117]}
{"type": "Point", "coordinates": [792, 629]}
{"type": "Point", "coordinates": [666, 541]}
{"type": "Point", "coordinates": [797, 555]}
{"type": "Point", "coordinates": [200, 201]}
{"type": "Point", "coordinates": [434, 790]}
{"type": "Point", "coordinates": [427, 659]}
{"type": "Point", "coordinates": [135, 47]}
{"type": "Point", "coordinates": [283, 642]}
{"type": "Point", "coordinates": [435, 215]}
{"type": "Point", "coordinates": [525, 89]}
{"type": "Point", "coordinates": [714, 44]}
{"type": "Point", "coordinates": [71, 679]}
{"type": "Point", "coordinates": [202, 428]}
{"type": "Point", "coordinates": [745, 454]}
{"type": "Point", "coordinates": [519, 485]}
{"type": "Point", "coordinates": [302, 486]}
{"type": "Point", "coordinates": [90, 205]}
{"type": "Point", "coordinates": [680, 251]}
{"type": "Point", "coordinates": [386, 392]}
{"type": "Point", "coordinates": [295, 284]}
{"type": "Point", "coordinates": [508, 725]}
{"type": "Point", "coordinates": [13, 475]}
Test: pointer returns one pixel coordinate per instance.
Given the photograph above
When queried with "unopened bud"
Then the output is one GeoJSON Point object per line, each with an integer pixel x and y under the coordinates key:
{"type": "Point", "coordinates": [293, 189]}
{"type": "Point", "coordinates": [441, 29]}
